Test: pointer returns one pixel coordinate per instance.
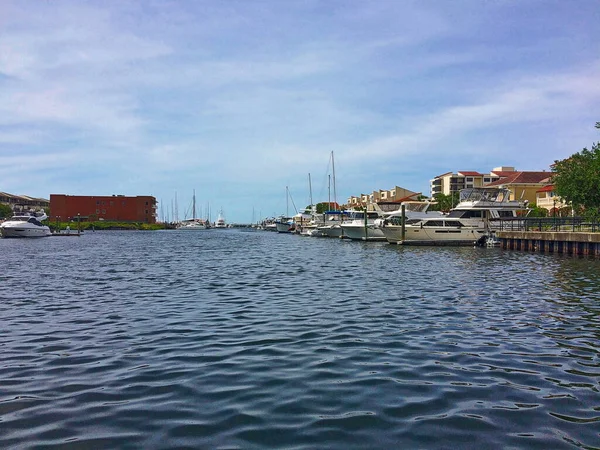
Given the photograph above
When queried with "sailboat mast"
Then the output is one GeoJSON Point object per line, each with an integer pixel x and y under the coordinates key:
{"type": "Point", "coordinates": [194, 205]}
{"type": "Point", "coordinates": [287, 198]}
{"type": "Point", "coordinates": [310, 194]}
{"type": "Point", "coordinates": [329, 193]}
{"type": "Point", "coordinates": [334, 192]}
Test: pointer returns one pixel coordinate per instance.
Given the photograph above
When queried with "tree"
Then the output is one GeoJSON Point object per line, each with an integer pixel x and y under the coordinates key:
{"type": "Point", "coordinates": [576, 179]}
{"type": "Point", "coordinates": [445, 202]}
{"type": "Point", "coordinates": [5, 211]}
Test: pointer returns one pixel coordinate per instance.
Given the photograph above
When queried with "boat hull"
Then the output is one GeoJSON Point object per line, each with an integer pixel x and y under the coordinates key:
{"type": "Point", "coordinates": [433, 236]}
{"type": "Point", "coordinates": [284, 227]}
{"type": "Point", "coordinates": [24, 232]}
{"type": "Point", "coordinates": [359, 233]}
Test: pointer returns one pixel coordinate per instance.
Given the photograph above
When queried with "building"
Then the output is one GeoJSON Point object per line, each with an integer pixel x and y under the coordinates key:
{"type": "Point", "coordinates": [23, 202]}
{"type": "Point", "coordinates": [546, 198]}
{"type": "Point", "coordinates": [118, 208]}
{"type": "Point", "coordinates": [449, 183]}
{"type": "Point", "coordinates": [395, 195]}
{"type": "Point", "coordinates": [523, 185]}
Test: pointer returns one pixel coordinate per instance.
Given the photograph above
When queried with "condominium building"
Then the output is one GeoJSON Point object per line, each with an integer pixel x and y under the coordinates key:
{"type": "Point", "coordinates": [448, 183]}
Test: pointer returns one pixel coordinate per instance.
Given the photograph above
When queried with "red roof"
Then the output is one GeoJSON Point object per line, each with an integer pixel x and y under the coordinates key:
{"type": "Point", "coordinates": [469, 173]}
{"type": "Point", "coordinates": [548, 188]}
{"type": "Point", "coordinates": [521, 178]}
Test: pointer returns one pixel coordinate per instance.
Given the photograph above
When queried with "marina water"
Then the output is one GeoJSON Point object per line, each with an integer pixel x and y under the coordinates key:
{"type": "Point", "coordinates": [231, 339]}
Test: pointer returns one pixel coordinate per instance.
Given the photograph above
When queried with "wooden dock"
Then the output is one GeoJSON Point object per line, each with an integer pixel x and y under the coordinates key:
{"type": "Point", "coordinates": [565, 242]}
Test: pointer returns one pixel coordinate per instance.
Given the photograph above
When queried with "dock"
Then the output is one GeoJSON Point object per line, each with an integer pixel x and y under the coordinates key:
{"type": "Point", "coordinates": [564, 242]}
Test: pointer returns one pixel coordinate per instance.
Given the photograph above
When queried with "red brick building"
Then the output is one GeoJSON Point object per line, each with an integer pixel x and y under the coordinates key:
{"type": "Point", "coordinates": [105, 207]}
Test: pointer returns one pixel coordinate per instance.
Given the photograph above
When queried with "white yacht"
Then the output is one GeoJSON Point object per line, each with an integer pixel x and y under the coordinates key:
{"type": "Point", "coordinates": [370, 230]}
{"type": "Point", "coordinates": [24, 225]}
{"type": "Point", "coordinates": [331, 225]}
{"type": "Point", "coordinates": [472, 219]}
{"type": "Point", "coordinates": [361, 225]}
{"type": "Point", "coordinates": [220, 223]}
{"type": "Point", "coordinates": [193, 225]}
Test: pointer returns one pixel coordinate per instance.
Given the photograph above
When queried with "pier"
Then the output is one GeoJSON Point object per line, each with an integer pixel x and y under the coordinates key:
{"type": "Point", "coordinates": [565, 235]}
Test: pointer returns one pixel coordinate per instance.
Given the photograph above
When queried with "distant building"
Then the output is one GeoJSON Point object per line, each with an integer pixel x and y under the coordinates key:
{"type": "Point", "coordinates": [395, 195]}
{"type": "Point", "coordinates": [23, 202]}
{"type": "Point", "coordinates": [113, 208]}
{"type": "Point", "coordinates": [449, 183]}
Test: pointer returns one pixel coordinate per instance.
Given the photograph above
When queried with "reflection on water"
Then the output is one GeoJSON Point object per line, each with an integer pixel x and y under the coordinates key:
{"type": "Point", "coordinates": [242, 340]}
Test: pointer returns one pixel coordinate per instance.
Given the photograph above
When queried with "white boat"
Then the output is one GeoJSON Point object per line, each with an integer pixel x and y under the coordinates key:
{"type": "Point", "coordinates": [26, 226]}
{"type": "Point", "coordinates": [285, 224]}
{"type": "Point", "coordinates": [194, 224]}
{"type": "Point", "coordinates": [433, 231]}
{"type": "Point", "coordinates": [331, 227]}
{"type": "Point", "coordinates": [362, 226]}
{"type": "Point", "coordinates": [220, 223]}
{"type": "Point", "coordinates": [470, 221]}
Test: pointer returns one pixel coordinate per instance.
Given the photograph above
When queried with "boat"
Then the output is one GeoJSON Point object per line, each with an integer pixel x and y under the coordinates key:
{"type": "Point", "coordinates": [285, 223]}
{"type": "Point", "coordinates": [332, 219]}
{"type": "Point", "coordinates": [361, 225]}
{"type": "Point", "coordinates": [25, 226]}
{"type": "Point", "coordinates": [220, 223]}
{"type": "Point", "coordinates": [194, 223]}
{"type": "Point", "coordinates": [368, 228]}
{"type": "Point", "coordinates": [433, 231]}
{"type": "Point", "coordinates": [471, 222]}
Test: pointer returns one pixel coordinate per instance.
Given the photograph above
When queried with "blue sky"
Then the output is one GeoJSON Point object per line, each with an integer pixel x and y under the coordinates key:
{"type": "Point", "coordinates": [239, 99]}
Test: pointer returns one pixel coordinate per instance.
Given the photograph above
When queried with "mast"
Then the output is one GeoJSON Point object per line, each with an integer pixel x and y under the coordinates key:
{"type": "Point", "coordinates": [287, 198]}
{"type": "Point", "coordinates": [312, 207]}
{"type": "Point", "coordinates": [334, 192]}
{"type": "Point", "coordinates": [329, 193]}
{"type": "Point", "coordinates": [194, 205]}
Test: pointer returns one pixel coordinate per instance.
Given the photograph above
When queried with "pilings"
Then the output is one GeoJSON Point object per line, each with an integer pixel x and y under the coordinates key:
{"type": "Point", "coordinates": [570, 243]}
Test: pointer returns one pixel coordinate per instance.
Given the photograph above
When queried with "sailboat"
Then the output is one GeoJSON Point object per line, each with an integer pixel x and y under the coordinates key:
{"type": "Point", "coordinates": [193, 223]}
{"type": "Point", "coordinates": [285, 224]}
{"type": "Point", "coordinates": [332, 218]}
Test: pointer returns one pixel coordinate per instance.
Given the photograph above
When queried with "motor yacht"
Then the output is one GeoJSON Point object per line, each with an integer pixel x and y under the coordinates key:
{"type": "Point", "coordinates": [26, 226]}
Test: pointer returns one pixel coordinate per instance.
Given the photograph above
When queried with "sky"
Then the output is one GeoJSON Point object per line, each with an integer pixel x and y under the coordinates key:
{"type": "Point", "coordinates": [239, 101]}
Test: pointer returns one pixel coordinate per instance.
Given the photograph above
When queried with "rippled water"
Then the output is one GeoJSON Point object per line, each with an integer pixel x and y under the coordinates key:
{"type": "Point", "coordinates": [230, 339]}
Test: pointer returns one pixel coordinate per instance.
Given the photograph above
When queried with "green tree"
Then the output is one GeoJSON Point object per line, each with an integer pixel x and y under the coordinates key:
{"type": "Point", "coordinates": [576, 179]}
{"type": "Point", "coordinates": [445, 202]}
{"type": "Point", "coordinates": [5, 211]}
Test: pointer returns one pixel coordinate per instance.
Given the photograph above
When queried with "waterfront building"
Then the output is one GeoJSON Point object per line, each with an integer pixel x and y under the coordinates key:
{"type": "Point", "coordinates": [449, 183]}
{"type": "Point", "coordinates": [523, 185]}
{"type": "Point", "coordinates": [546, 198]}
{"type": "Point", "coordinates": [394, 195]}
{"type": "Point", "coordinates": [118, 208]}
{"type": "Point", "coordinates": [23, 202]}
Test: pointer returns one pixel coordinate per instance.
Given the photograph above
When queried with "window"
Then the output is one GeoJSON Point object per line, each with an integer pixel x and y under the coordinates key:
{"type": "Point", "coordinates": [103, 211]}
{"type": "Point", "coordinates": [97, 211]}
{"type": "Point", "coordinates": [469, 179]}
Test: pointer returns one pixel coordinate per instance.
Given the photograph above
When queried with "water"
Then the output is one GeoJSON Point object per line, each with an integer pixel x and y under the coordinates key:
{"type": "Point", "coordinates": [227, 339]}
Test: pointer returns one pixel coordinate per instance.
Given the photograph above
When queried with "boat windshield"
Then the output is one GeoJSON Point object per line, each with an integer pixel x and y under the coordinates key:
{"type": "Point", "coordinates": [484, 195]}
